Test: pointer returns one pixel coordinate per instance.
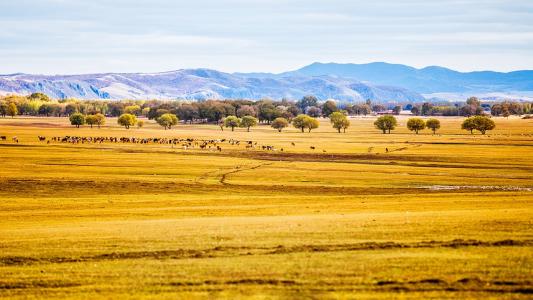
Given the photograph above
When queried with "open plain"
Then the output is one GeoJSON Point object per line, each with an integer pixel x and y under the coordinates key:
{"type": "Point", "coordinates": [364, 214]}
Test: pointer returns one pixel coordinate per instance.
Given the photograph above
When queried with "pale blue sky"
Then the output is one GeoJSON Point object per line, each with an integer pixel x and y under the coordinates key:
{"type": "Point", "coordinates": [82, 36]}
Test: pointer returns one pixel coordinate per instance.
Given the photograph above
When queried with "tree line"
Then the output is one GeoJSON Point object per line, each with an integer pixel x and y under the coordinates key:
{"type": "Point", "coordinates": [266, 111]}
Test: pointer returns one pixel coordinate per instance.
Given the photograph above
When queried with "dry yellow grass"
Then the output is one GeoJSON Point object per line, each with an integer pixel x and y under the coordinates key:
{"type": "Point", "coordinates": [442, 216]}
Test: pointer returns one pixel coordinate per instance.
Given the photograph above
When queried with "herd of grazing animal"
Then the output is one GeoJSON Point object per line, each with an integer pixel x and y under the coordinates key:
{"type": "Point", "coordinates": [183, 143]}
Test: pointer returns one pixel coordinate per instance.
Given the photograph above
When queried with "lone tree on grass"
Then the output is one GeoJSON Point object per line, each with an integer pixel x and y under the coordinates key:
{"type": "Point", "coordinates": [433, 124]}
{"type": "Point", "coordinates": [167, 121]}
{"type": "Point", "coordinates": [416, 124]}
{"type": "Point", "coordinates": [232, 121]}
{"type": "Point", "coordinates": [280, 123]}
{"type": "Point", "coordinates": [77, 119]}
{"type": "Point", "coordinates": [127, 120]}
{"type": "Point", "coordinates": [386, 123]}
{"type": "Point", "coordinates": [248, 121]}
{"type": "Point", "coordinates": [339, 121]}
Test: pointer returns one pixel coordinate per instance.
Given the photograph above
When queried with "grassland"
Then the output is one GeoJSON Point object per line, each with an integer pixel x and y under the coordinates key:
{"type": "Point", "coordinates": [437, 216]}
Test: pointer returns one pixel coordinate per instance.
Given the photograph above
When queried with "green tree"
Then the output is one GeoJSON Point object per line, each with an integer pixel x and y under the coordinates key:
{"type": "Point", "coordinates": [248, 121]}
{"type": "Point", "coordinates": [12, 110]}
{"type": "Point", "coordinates": [339, 121]}
{"type": "Point", "coordinates": [433, 124]}
{"type": "Point", "coordinates": [416, 124]}
{"type": "Point", "coordinates": [307, 101]}
{"type": "Point", "coordinates": [329, 107]}
{"type": "Point", "coordinates": [3, 108]}
{"type": "Point", "coordinates": [127, 120]}
{"type": "Point", "coordinates": [397, 109]}
{"type": "Point", "coordinates": [280, 123]}
{"type": "Point", "coordinates": [426, 108]}
{"type": "Point", "coordinates": [77, 119]}
{"type": "Point", "coordinates": [167, 120]}
{"type": "Point", "coordinates": [386, 123]}
{"type": "Point", "coordinates": [232, 121]}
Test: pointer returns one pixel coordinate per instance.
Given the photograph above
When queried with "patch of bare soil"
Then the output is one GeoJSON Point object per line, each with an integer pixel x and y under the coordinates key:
{"type": "Point", "coordinates": [464, 285]}
{"type": "Point", "coordinates": [247, 281]}
{"type": "Point", "coordinates": [39, 284]}
{"type": "Point", "coordinates": [245, 251]}
{"type": "Point", "coordinates": [24, 187]}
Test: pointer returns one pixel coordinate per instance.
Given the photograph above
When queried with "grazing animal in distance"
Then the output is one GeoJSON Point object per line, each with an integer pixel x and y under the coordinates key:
{"type": "Point", "coordinates": [15, 139]}
{"type": "Point", "coordinates": [41, 138]}
{"type": "Point", "coordinates": [312, 147]}
{"type": "Point", "coordinates": [292, 143]}
{"type": "Point", "coordinates": [3, 138]}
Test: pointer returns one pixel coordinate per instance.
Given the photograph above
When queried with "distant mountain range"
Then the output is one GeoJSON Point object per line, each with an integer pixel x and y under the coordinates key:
{"type": "Point", "coordinates": [345, 82]}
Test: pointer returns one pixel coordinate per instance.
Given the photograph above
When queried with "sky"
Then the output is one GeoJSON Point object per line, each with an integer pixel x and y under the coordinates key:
{"type": "Point", "coordinates": [96, 36]}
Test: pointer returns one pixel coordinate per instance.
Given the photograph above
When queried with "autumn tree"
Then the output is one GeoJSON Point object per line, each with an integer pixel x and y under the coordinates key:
{"type": "Point", "coordinates": [468, 124]}
{"type": "Point", "coordinates": [386, 123]}
{"type": "Point", "coordinates": [433, 124]}
{"type": "Point", "coordinates": [12, 110]}
{"type": "Point", "coordinates": [127, 120]}
{"type": "Point", "coordinates": [416, 124]}
{"type": "Point", "coordinates": [232, 121]}
{"type": "Point", "coordinates": [339, 120]}
{"type": "Point", "coordinates": [248, 121]}
{"type": "Point", "coordinates": [483, 123]}
{"type": "Point", "coordinates": [90, 120]}
{"type": "Point", "coordinates": [133, 109]}
{"type": "Point", "coordinates": [77, 119]}
{"type": "Point", "coordinates": [280, 123]}
{"type": "Point", "coordinates": [167, 121]}
{"type": "Point", "coordinates": [311, 123]}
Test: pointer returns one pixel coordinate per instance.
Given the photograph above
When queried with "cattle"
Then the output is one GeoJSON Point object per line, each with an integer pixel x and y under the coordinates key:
{"type": "Point", "coordinates": [3, 137]}
{"type": "Point", "coordinates": [41, 138]}
{"type": "Point", "coordinates": [312, 147]}
{"type": "Point", "coordinates": [15, 139]}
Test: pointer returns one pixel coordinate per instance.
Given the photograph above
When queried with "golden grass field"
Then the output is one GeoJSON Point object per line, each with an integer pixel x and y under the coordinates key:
{"type": "Point", "coordinates": [437, 216]}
